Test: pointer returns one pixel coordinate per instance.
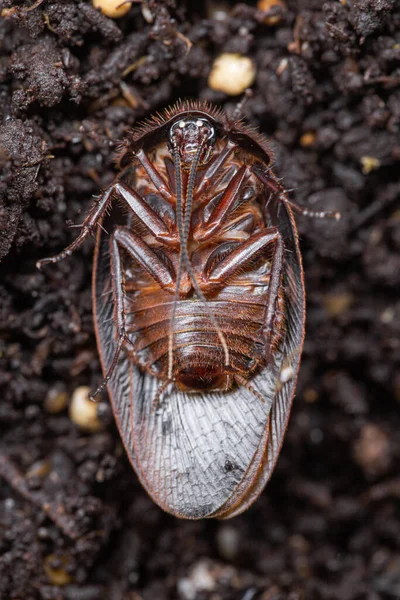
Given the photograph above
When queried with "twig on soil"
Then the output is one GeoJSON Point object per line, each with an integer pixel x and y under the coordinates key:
{"type": "Point", "coordinates": [54, 510]}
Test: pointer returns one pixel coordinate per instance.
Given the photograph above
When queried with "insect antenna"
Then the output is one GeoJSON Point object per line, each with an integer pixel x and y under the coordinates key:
{"type": "Point", "coordinates": [183, 222]}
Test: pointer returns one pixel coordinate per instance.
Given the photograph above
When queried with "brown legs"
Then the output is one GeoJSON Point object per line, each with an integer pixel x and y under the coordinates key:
{"type": "Point", "coordinates": [274, 186]}
{"type": "Point", "coordinates": [222, 209]}
{"type": "Point", "coordinates": [214, 167]}
{"type": "Point", "coordinates": [264, 242]}
{"type": "Point", "coordinates": [137, 205]}
{"type": "Point", "coordinates": [143, 255]}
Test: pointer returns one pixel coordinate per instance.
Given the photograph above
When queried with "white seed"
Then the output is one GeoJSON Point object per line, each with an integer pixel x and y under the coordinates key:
{"type": "Point", "coordinates": [113, 8]}
{"type": "Point", "coordinates": [83, 411]}
{"type": "Point", "coordinates": [232, 74]}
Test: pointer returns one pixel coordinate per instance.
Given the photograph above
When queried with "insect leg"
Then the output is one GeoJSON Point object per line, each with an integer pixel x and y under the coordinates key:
{"type": "Point", "coordinates": [276, 188]}
{"type": "Point", "coordinates": [238, 112]}
{"type": "Point", "coordinates": [224, 206]}
{"type": "Point", "coordinates": [243, 381]}
{"type": "Point", "coordinates": [154, 175]}
{"type": "Point", "coordinates": [144, 212]}
{"type": "Point", "coordinates": [257, 245]}
{"type": "Point", "coordinates": [141, 253]}
{"type": "Point", "coordinates": [325, 214]}
{"type": "Point", "coordinates": [275, 279]}
{"type": "Point", "coordinates": [119, 310]}
{"type": "Point", "coordinates": [215, 167]}
{"type": "Point", "coordinates": [135, 202]}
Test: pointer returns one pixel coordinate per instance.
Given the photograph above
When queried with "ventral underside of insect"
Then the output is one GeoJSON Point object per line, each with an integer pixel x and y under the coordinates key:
{"type": "Point", "coordinates": [198, 308]}
{"type": "Point", "coordinates": [198, 282]}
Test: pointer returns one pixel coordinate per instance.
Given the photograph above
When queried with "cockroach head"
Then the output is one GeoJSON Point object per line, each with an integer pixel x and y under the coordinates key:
{"type": "Point", "coordinates": [190, 133]}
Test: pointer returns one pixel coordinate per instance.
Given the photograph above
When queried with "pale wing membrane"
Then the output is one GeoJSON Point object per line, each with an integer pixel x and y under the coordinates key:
{"type": "Point", "coordinates": [291, 347]}
{"type": "Point", "coordinates": [197, 451]}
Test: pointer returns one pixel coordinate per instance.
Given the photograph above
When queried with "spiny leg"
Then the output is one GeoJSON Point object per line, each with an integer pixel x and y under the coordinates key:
{"type": "Point", "coordinates": [137, 205]}
{"type": "Point", "coordinates": [156, 403]}
{"type": "Point", "coordinates": [324, 214]}
{"type": "Point", "coordinates": [223, 207]}
{"type": "Point", "coordinates": [275, 279]}
{"type": "Point", "coordinates": [214, 167]}
{"type": "Point", "coordinates": [246, 252]}
{"type": "Point", "coordinates": [141, 253]}
{"type": "Point", "coordinates": [276, 188]}
{"type": "Point", "coordinates": [257, 245]}
{"type": "Point", "coordinates": [238, 112]}
{"type": "Point", "coordinates": [118, 290]}
{"type": "Point", "coordinates": [154, 175]}
{"type": "Point", "coordinates": [145, 256]}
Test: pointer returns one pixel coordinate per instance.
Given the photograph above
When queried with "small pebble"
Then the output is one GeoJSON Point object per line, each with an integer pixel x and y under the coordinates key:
{"type": "Point", "coordinates": [310, 395]}
{"type": "Point", "coordinates": [55, 569]}
{"type": "Point", "coordinates": [308, 139]}
{"type": "Point", "coordinates": [113, 8]}
{"type": "Point", "coordinates": [266, 6]}
{"type": "Point", "coordinates": [372, 450]}
{"type": "Point", "coordinates": [56, 400]}
{"type": "Point", "coordinates": [369, 163]}
{"type": "Point", "coordinates": [337, 304]}
{"type": "Point", "coordinates": [200, 579]}
{"type": "Point", "coordinates": [232, 74]}
{"type": "Point", "coordinates": [83, 411]}
{"type": "Point", "coordinates": [39, 469]}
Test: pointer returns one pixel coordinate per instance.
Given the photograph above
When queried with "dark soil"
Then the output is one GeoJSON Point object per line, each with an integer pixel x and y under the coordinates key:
{"type": "Point", "coordinates": [74, 521]}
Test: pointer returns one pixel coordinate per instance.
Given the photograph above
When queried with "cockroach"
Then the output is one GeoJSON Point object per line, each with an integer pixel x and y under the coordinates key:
{"type": "Point", "coordinates": [198, 302]}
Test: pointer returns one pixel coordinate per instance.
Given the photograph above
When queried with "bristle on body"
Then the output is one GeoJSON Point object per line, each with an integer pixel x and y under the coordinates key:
{"type": "Point", "coordinates": [226, 124]}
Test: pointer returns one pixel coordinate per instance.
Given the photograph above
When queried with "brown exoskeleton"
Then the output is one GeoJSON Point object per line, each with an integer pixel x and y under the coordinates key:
{"type": "Point", "coordinates": [198, 307]}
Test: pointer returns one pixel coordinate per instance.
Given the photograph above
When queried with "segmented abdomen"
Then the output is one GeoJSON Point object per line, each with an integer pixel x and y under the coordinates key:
{"type": "Point", "coordinates": [195, 341]}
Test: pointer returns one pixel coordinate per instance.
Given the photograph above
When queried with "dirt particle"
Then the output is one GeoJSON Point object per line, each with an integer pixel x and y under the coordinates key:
{"type": "Point", "coordinates": [372, 450]}
{"type": "Point", "coordinates": [369, 163]}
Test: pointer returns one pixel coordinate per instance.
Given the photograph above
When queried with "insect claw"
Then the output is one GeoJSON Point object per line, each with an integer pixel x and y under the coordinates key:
{"type": "Point", "coordinates": [128, 341]}
{"type": "Point", "coordinates": [97, 391]}
{"type": "Point", "coordinates": [46, 261]}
